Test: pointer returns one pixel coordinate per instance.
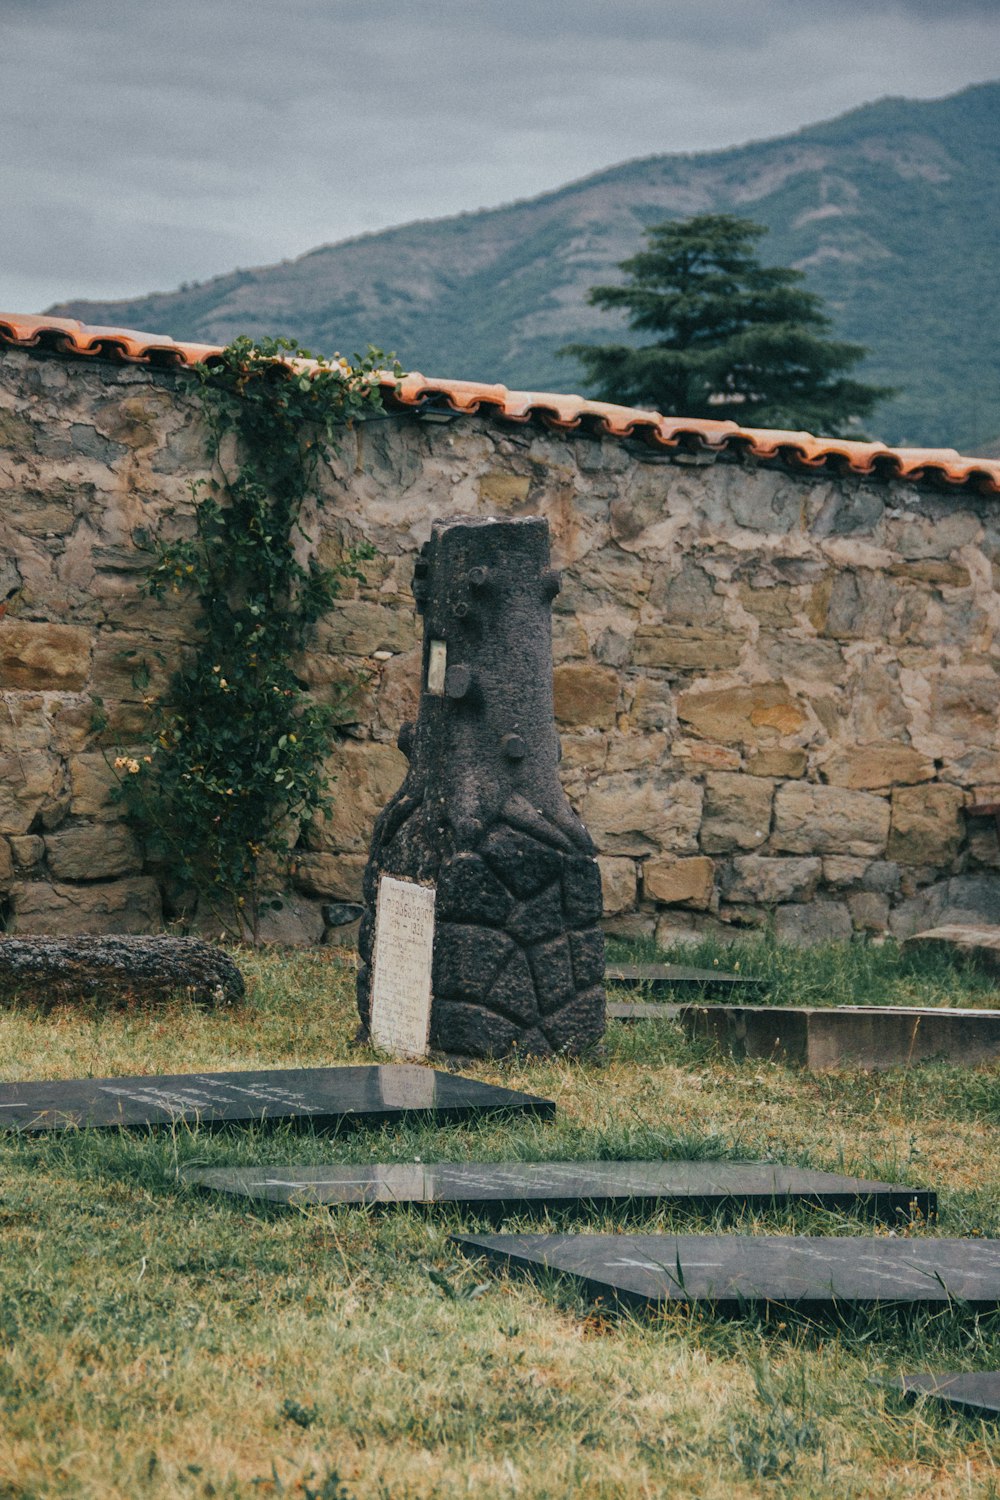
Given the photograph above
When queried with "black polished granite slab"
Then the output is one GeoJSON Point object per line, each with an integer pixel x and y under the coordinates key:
{"type": "Point", "coordinates": [733, 1272]}
{"type": "Point", "coordinates": [661, 979]}
{"type": "Point", "coordinates": [627, 1010]}
{"type": "Point", "coordinates": [977, 1394]}
{"type": "Point", "coordinates": [509, 1187]}
{"type": "Point", "coordinates": [324, 1098]}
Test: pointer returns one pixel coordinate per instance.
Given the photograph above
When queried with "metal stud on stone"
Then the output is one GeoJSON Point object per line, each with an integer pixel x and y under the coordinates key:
{"type": "Point", "coordinates": [481, 816]}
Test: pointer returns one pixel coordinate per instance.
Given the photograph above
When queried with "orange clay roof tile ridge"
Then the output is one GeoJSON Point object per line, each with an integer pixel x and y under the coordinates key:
{"type": "Point", "coordinates": [566, 412]}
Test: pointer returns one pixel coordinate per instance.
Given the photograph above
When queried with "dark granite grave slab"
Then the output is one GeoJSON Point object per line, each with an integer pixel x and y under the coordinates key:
{"type": "Point", "coordinates": [733, 1272]}
{"type": "Point", "coordinates": [508, 1187]}
{"type": "Point", "coordinates": [977, 1394]}
{"type": "Point", "coordinates": [850, 1036]}
{"type": "Point", "coordinates": [627, 1010]}
{"type": "Point", "coordinates": [325, 1098]}
{"type": "Point", "coordinates": [661, 979]}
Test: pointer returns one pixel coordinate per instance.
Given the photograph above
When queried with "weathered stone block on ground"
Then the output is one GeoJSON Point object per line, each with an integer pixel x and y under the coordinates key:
{"type": "Point", "coordinates": [982, 944]}
{"type": "Point", "coordinates": [966, 900]}
{"type": "Point", "coordinates": [850, 1036]}
{"type": "Point", "coordinates": [136, 970]}
{"type": "Point", "coordinates": [829, 820]}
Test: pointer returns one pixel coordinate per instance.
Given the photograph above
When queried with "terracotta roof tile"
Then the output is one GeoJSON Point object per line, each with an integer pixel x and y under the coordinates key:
{"type": "Point", "coordinates": [798, 450]}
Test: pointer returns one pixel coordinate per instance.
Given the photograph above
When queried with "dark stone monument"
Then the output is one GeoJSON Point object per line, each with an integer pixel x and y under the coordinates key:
{"type": "Point", "coordinates": [119, 970]}
{"type": "Point", "coordinates": [518, 955]}
{"type": "Point", "coordinates": [518, 1186]}
{"type": "Point", "coordinates": [976, 1394]}
{"type": "Point", "coordinates": [732, 1272]}
{"type": "Point", "coordinates": [322, 1098]}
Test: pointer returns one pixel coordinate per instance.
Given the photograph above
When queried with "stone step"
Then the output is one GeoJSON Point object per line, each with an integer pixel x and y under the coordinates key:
{"type": "Point", "coordinates": [660, 979]}
{"type": "Point", "coordinates": [625, 1010]}
{"type": "Point", "coordinates": [976, 1393]}
{"type": "Point", "coordinates": [979, 943]}
{"type": "Point", "coordinates": [870, 1037]}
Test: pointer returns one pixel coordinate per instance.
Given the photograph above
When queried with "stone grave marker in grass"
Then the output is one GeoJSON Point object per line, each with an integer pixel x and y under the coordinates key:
{"type": "Point", "coordinates": [520, 1186]}
{"type": "Point", "coordinates": [849, 1036]}
{"type": "Point", "coordinates": [735, 1272]}
{"type": "Point", "coordinates": [322, 1098]}
{"type": "Point", "coordinates": [642, 1010]}
{"type": "Point", "coordinates": [979, 943]}
{"type": "Point", "coordinates": [665, 979]}
{"type": "Point", "coordinates": [976, 1394]}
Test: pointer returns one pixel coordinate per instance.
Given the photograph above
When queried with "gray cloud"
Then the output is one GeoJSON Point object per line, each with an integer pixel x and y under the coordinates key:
{"type": "Point", "coordinates": [148, 142]}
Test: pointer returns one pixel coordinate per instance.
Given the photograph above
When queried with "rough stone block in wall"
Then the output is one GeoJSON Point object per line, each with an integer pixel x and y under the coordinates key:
{"type": "Point", "coordinates": [927, 824]}
{"type": "Point", "coordinates": [737, 812]}
{"type": "Point", "coordinates": [827, 641]}
{"type": "Point", "coordinates": [758, 878]}
{"type": "Point", "coordinates": [586, 694]}
{"type": "Point", "coordinates": [679, 882]}
{"type": "Point", "coordinates": [634, 814]}
{"type": "Point", "coordinates": [365, 774]}
{"type": "Point", "coordinates": [619, 884]}
{"type": "Point", "coordinates": [38, 656]}
{"type": "Point", "coordinates": [829, 820]}
{"type": "Point", "coordinates": [73, 910]}
{"type": "Point", "coordinates": [753, 715]}
{"type": "Point", "coordinates": [874, 767]}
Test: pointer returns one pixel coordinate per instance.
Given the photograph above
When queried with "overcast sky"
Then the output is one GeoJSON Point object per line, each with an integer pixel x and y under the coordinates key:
{"type": "Point", "coordinates": [148, 142]}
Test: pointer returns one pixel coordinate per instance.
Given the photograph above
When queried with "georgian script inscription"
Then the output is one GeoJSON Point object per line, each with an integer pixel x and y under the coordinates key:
{"type": "Point", "coordinates": [324, 1098]}
{"type": "Point", "coordinates": [401, 976]}
{"type": "Point", "coordinates": [705, 1186]}
{"type": "Point", "coordinates": [731, 1271]}
{"type": "Point", "coordinates": [205, 1092]}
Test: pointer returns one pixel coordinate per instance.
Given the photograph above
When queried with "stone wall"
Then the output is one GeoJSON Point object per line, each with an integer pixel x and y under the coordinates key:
{"type": "Point", "coordinates": [777, 693]}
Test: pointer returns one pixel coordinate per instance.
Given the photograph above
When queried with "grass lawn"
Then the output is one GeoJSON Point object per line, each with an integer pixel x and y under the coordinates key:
{"type": "Point", "coordinates": [161, 1342]}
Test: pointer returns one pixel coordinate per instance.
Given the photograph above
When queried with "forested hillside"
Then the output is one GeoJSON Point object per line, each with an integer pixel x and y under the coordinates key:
{"type": "Point", "coordinates": [892, 211]}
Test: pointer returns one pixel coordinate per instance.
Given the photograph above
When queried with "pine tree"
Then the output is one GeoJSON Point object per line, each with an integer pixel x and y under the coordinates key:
{"type": "Point", "coordinates": [733, 339]}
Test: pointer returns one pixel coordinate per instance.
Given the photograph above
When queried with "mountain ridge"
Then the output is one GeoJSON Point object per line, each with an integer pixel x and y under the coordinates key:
{"type": "Point", "coordinates": [892, 210]}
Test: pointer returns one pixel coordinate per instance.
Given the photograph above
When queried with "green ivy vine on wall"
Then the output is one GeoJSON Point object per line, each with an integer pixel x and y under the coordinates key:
{"type": "Point", "coordinates": [236, 762]}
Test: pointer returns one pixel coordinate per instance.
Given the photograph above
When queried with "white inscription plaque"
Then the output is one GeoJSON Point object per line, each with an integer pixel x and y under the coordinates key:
{"type": "Point", "coordinates": [401, 970]}
{"type": "Point", "coordinates": [437, 665]}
